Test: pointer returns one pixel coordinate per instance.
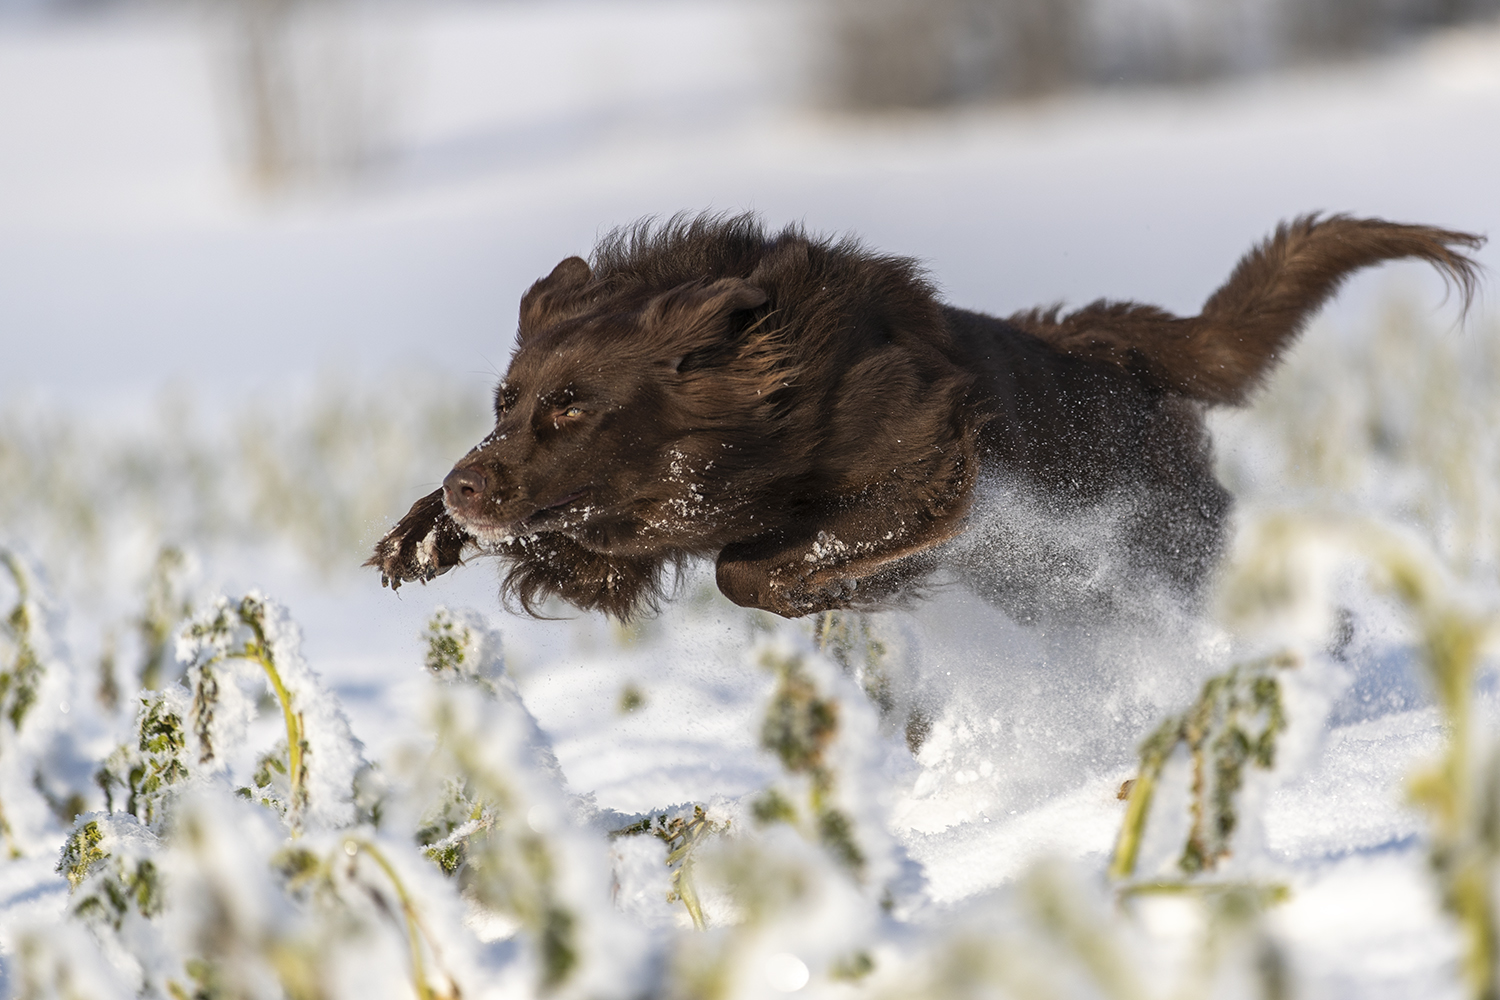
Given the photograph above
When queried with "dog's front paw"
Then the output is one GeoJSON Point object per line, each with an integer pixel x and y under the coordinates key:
{"type": "Point", "coordinates": [423, 544]}
{"type": "Point", "coordinates": [784, 589]}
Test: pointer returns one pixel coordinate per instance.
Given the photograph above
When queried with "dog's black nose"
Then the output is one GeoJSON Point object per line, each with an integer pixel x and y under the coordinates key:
{"type": "Point", "coordinates": [464, 486]}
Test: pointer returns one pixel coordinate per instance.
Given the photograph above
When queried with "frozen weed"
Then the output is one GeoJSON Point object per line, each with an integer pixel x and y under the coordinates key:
{"type": "Point", "coordinates": [492, 811]}
{"type": "Point", "coordinates": [682, 831]}
{"type": "Point", "coordinates": [110, 867]}
{"type": "Point", "coordinates": [462, 647]}
{"type": "Point", "coordinates": [22, 667]}
{"type": "Point", "coordinates": [193, 892]}
{"type": "Point", "coordinates": [1293, 557]}
{"type": "Point", "coordinates": [316, 470]}
{"type": "Point", "coordinates": [321, 755]}
{"type": "Point", "coordinates": [167, 605]}
{"type": "Point", "coordinates": [62, 961]}
{"type": "Point", "coordinates": [848, 639]}
{"type": "Point", "coordinates": [1234, 723]}
{"type": "Point", "coordinates": [799, 726]}
{"type": "Point", "coordinates": [1407, 428]}
{"type": "Point", "coordinates": [144, 771]}
{"type": "Point", "coordinates": [39, 762]}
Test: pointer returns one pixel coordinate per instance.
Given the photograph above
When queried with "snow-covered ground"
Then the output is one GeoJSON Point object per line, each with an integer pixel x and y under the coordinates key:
{"type": "Point", "coordinates": [134, 261]}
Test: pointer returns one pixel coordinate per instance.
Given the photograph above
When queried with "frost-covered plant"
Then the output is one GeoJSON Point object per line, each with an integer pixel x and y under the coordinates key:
{"type": "Point", "coordinates": [145, 770]}
{"type": "Point", "coordinates": [500, 818]}
{"type": "Point", "coordinates": [245, 912]}
{"type": "Point", "coordinates": [1461, 792]}
{"type": "Point", "coordinates": [1055, 933]}
{"type": "Point", "coordinates": [795, 919]}
{"type": "Point", "coordinates": [847, 638]}
{"type": "Point", "coordinates": [339, 883]}
{"type": "Point", "coordinates": [1287, 580]}
{"type": "Point", "coordinates": [1233, 724]}
{"type": "Point", "coordinates": [462, 647]}
{"type": "Point", "coordinates": [1407, 422]}
{"type": "Point", "coordinates": [38, 757]}
{"type": "Point", "coordinates": [111, 867]}
{"type": "Point", "coordinates": [62, 960]}
{"type": "Point", "coordinates": [166, 606]}
{"type": "Point", "coordinates": [793, 883]}
{"type": "Point", "coordinates": [22, 667]}
{"type": "Point", "coordinates": [800, 725]}
{"type": "Point", "coordinates": [683, 831]}
{"type": "Point", "coordinates": [311, 470]}
{"type": "Point", "coordinates": [311, 777]}
{"type": "Point", "coordinates": [20, 671]}
{"type": "Point", "coordinates": [192, 891]}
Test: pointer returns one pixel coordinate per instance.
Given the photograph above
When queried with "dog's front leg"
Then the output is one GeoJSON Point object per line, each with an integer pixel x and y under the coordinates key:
{"type": "Point", "coordinates": [856, 558]}
{"type": "Point", "coordinates": [423, 544]}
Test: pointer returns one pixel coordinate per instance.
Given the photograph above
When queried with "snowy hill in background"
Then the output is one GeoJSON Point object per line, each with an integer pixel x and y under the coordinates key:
{"type": "Point", "coordinates": [134, 261]}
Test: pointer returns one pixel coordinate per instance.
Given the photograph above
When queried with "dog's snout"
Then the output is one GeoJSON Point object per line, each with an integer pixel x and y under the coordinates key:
{"type": "Point", "coordinates": [464, 485]}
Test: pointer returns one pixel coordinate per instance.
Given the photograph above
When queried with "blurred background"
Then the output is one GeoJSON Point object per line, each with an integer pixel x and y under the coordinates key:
{"type": "Point", "coordinates": [260, 259]}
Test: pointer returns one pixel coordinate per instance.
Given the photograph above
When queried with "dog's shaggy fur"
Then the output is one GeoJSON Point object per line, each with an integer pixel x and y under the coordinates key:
{"type": "Point", "coordinates": [809, 415]}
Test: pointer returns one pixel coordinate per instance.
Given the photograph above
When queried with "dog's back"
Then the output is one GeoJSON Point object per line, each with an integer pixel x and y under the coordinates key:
{"type": "Point", "coordinates": [1105, 405]}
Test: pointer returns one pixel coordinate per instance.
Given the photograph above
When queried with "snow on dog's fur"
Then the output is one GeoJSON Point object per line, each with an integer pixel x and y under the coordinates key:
{"type": "Point", "coordinates": [809, 415]}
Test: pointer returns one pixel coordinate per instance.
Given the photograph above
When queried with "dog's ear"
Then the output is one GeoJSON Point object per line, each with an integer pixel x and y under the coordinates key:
{"type": "Point", "coordinates": [694, 318]}
{"type": "Point", "coordinates": [550, 297]}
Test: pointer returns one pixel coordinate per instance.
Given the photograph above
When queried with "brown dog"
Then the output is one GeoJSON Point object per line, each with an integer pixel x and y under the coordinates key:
{"type": "Point", "coordinates": [809, 415]}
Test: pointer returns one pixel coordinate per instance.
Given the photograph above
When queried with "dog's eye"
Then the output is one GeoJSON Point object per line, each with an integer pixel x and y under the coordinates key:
{"type": "Point", "coordinates": [573, 411]}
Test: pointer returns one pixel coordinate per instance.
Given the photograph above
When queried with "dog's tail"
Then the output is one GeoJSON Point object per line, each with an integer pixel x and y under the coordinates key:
{"type": "Point", "coordinates": [1223, 353]}
{"type": "Point", "coordinates": [1277, 287]}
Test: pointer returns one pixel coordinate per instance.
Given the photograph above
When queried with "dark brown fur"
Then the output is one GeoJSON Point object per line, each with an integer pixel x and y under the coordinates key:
{"type": "Point", "coordinates": [810, 416]}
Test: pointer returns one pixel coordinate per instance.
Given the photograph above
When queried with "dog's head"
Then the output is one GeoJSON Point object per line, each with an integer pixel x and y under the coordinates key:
{"type": "Point", "coordinates": [611, 416]}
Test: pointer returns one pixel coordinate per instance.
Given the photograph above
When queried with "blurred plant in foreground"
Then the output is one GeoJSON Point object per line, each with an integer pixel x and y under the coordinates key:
{"type": "Point", "coordinates": [1281, 585]}
{"type": "Point", "coordinates": [1234, 723]}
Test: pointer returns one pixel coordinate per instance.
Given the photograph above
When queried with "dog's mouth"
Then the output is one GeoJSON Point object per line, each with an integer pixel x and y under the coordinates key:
{"type": "Point", "coordinates": [496, 524]}
{"type": "Point", "coordinates": [554, 508]}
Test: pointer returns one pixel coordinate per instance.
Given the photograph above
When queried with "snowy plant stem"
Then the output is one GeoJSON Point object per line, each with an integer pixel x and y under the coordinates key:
{"type": "Point", "coordinates": [1154, 754]}
{"type": "Point", "coordinates": [408, 913]}
{"type": "Point", "coordinates": [293, 721]}
{"type": "Point", "coordinates": [688, 893]}
{"type": "Point", "coordinates": [1122, 865]}
{"type": "Point", "coordinates": [1263, 893]}
{"type": "Point", "coordinates": [260, 651]}
{"type": "Point", "coordinates": [11, 850]}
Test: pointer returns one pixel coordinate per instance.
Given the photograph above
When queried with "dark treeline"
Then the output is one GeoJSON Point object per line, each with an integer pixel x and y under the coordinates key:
{"type": "Point", "coordinates": [916, 53]}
